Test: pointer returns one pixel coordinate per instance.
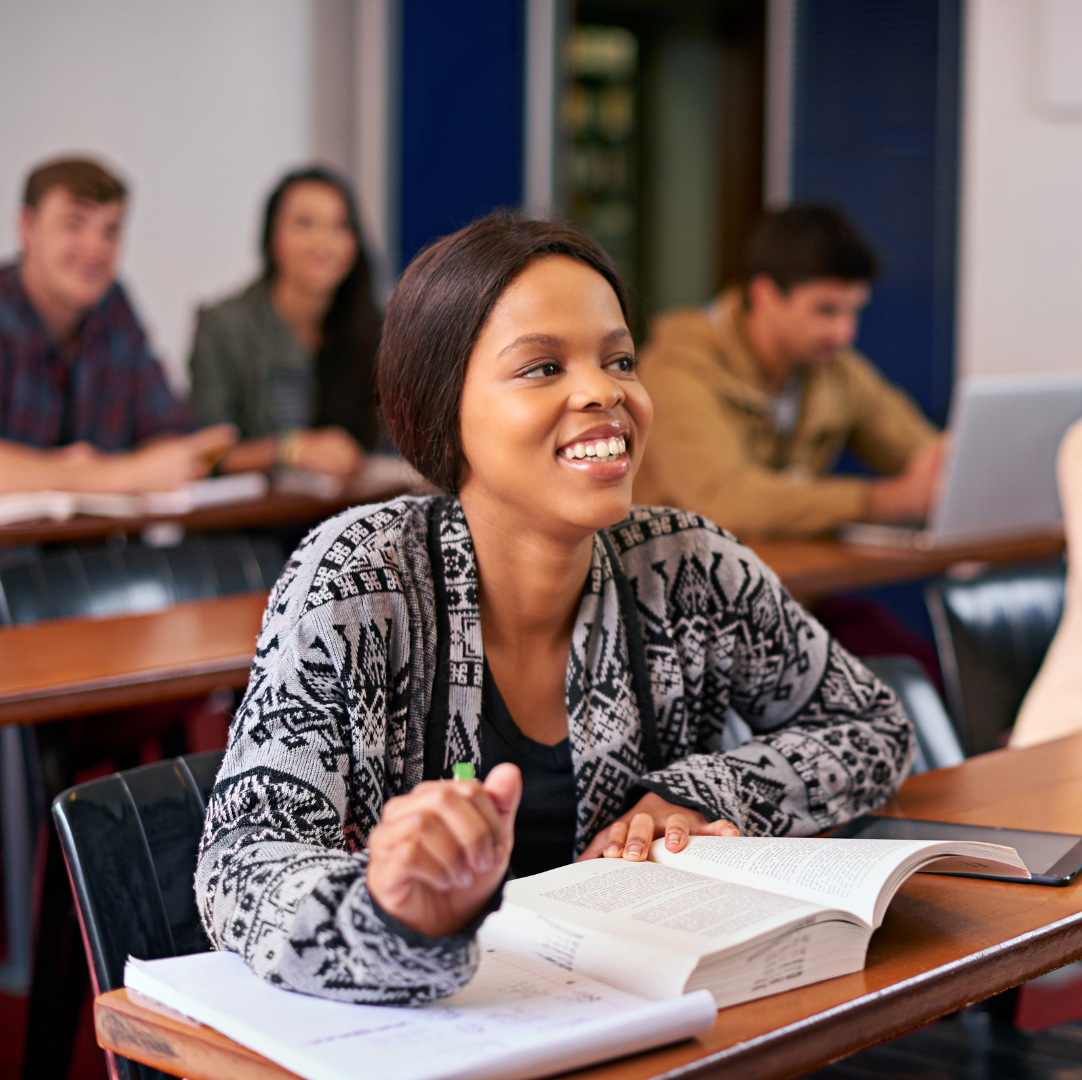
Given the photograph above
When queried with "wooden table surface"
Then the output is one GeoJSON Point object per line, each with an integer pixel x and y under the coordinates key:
{"type": "Point", "coordinates": [814, 568]}
{"type": "Point", "coordinates": [945, 943]}
{"type": "Point", "coordinates": [70, 667]}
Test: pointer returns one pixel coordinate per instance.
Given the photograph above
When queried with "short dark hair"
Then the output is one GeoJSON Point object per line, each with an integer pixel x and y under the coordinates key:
{"type": "Point", "coordinates": [435, 315]}
{"type": "Point", "coordinates": [806, 243]}
{"type": "Point", "coordinates": [80, 177]}
{"type": "Point", "coordinates": [345, 362]}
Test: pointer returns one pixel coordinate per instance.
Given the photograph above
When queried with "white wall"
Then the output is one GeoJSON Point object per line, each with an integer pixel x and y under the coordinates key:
{"type": "Point", "coordinates": [1020, 284]}
{"type": "Point", "coordinates": [200, 104]}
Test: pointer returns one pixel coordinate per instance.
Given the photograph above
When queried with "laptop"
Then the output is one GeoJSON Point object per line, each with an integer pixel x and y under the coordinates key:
{"type": "Point", "coordinates": [999, 479]}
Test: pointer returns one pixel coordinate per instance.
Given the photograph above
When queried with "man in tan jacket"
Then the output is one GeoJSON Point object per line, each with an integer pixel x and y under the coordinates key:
{"type": "Point", "coordinates": [756, 395]}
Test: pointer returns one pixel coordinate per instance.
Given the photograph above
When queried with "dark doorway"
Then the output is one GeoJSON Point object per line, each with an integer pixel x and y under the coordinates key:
{"type": "Point", "coordinates": [665, 147]}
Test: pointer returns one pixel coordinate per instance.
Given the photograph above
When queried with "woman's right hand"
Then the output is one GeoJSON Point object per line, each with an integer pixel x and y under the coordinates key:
{"type": "Point", "coordinates": [440, 851]}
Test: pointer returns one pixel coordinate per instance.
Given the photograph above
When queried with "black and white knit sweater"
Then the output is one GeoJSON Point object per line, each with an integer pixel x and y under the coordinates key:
{"type": "Point", "coordinates": [367, 679]}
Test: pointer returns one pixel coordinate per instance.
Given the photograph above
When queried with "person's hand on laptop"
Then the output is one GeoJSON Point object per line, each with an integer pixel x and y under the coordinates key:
{"type": "Point", "coordinates": [909, 495]}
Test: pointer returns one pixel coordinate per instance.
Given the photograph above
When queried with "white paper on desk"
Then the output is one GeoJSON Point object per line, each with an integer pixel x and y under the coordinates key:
{"type": "Point", "coordinates": [216, 491]}
{"type": "Point", "coordinates": [518, 1019]}
{"type": "Point", "coordinates": [63, 505]}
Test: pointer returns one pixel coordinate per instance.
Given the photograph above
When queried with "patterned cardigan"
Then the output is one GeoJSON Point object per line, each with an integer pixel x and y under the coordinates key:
{"type": "Point", "coordinates": [367, 679]}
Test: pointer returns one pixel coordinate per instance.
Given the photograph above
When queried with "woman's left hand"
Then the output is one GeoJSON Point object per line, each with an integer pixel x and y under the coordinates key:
{"type": "Point", "coordinates": [629, 837]}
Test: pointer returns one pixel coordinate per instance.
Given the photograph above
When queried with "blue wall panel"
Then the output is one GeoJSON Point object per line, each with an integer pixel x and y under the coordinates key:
{"type": "Point", "coordinates": [876, 134]}
{"type": "Point", "coordinates": [461, 114]}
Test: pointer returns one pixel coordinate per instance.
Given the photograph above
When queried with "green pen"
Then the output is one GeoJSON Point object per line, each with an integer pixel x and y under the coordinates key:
{"type": "Point", "coordinates": [463, 770]}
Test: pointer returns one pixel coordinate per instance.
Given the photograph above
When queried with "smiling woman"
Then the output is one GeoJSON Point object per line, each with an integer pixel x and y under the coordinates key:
{"type": "Point", "coordinates": [290, 360]}
{"type": "Point", "coordinates": [581, 653]}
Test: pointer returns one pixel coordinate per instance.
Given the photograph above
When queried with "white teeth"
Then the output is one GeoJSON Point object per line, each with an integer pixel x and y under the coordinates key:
{"type": "Point", "coordinates": [602, 448]}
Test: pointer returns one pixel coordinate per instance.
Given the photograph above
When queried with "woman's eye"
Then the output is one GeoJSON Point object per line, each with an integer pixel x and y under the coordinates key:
{"type": "Point", "coordinates": [625, 364]}
{"type": "Point", "coordinates": [545, 369]}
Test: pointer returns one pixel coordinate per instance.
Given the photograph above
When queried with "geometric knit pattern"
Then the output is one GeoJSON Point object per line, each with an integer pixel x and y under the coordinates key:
{"type": "Point", "coordinates": [333, 724]}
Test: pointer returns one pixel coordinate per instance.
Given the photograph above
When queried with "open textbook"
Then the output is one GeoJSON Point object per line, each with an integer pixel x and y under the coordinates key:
{"type": "Point", "coordinates": [519, 1018]}
{"type": "Point", "coordinates": [741, 917]}
{"type": "Point", "coordinates": [62, 505]}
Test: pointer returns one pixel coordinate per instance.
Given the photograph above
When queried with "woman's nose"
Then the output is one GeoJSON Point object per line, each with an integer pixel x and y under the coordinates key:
{"type": "Point", "coordinates": [596, 389]}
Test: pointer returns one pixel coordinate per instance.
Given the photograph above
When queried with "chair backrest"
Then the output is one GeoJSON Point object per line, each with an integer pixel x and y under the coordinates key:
{"type": "Point", "coordinates": [130, 843]}
{"type": "Point", "coordinates": [992, 632]}
{"type": "Point", "coordinates": [103, 579]}
{"type": "Point", "coordinates": [937, 744]}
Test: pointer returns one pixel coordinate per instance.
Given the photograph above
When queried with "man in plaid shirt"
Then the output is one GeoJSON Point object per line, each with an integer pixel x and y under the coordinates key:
{"type": "Point", "coordinates": [84, 406]}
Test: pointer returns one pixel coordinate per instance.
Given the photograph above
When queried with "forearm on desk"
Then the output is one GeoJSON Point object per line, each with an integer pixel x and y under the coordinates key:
{"type": "Point", "coordinates": [252, 455]}
{"type": "Point", "coordinates": [28, 468]}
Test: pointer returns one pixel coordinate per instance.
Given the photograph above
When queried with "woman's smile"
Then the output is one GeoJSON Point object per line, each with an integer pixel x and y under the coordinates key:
{"type": "Point", "coordinates": [601, 451]}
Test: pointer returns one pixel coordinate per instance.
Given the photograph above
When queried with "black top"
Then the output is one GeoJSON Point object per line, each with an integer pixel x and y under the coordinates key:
{"type": "Point", "coordinates": [545, 825]}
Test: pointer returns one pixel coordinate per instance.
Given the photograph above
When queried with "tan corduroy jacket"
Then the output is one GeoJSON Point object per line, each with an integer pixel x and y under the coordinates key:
{"type": "Point", "coordinates": [713, 448]}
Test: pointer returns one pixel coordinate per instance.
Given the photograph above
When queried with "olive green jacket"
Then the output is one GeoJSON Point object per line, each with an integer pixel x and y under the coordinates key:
{"type": "Point", "coordinates": [238, 343]}
{"type": "Point", "coordinates": [713, 448]}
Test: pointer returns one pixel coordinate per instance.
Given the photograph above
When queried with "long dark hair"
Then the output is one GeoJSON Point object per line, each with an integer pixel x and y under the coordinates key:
{"type": "Point", "coordinates": [435, 313]}
{"type": "Point", "coordinates": [346, 362]}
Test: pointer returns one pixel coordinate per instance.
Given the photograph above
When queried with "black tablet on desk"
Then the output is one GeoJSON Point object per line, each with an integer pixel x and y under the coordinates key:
{"type": "Point", "coordinates": [1052, 858]}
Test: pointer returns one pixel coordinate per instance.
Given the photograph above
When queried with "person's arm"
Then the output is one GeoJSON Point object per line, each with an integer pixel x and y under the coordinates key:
{"type": "Point", "coordinates": [164, 464]}
{"type": "Point", "coordinates": [213, 371]}
{"type": "Point", "coordinates": [888, 426]}
{"type": "Point", "coordinates": [697, 461]}
{"type": "Point", "coordinates": [329, 450]}
{"type": "Point", "coordinates": [832, 741]}
{"type": "Point", "coordinates": [282, 872]}
{"type": "Point", "coordinates": [893, 437]}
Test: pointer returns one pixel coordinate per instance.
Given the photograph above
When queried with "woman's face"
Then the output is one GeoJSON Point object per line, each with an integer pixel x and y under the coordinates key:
{"type": "Point", "coordinates": [312, 242]}
{"type": "Point", "coordinates": [553, 415]}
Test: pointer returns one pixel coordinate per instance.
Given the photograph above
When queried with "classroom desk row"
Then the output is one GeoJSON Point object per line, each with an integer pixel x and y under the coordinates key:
{"type": "Point", "coordinates": [945, 943]}
{"type": "Point", "coordinates": [65, 668]}
{"type": "Point", "coordinates": [73, 667]}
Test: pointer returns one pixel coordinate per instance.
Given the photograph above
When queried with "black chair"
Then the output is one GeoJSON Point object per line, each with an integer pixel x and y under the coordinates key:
{"type": "Point", "coordinates": [106, 579]}
{"type": "Point", "coordinates": [992, 631]}
{"type": "Point", "coordinates": [129, 841]}
{"type": "Point", "coordinates": [937, 745]}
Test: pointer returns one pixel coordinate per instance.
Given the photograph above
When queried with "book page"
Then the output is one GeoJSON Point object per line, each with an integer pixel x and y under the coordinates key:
{"type": "Point", "coordinates": [640, 926]}
{"type": "Point", "coordinates": [517, 1019]}
{"type": "Point", "coordinates": [846, 874]}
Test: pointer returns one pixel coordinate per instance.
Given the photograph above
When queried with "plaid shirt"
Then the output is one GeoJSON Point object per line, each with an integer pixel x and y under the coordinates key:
{"type": "Point", "coordinates": [105, 388]}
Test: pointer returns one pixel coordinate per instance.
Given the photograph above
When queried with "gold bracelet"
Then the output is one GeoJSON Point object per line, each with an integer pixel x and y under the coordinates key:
{"type": "Point", "coordinates": [289, 448]}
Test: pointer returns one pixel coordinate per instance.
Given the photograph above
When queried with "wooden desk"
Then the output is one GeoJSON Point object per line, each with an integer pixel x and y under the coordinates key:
{"type": "Point", "coordinates": [815, 568]}
{"type": "Point", "coordinates": [70, 667]}
{"type": "Point", "coordinates": [945, 943]}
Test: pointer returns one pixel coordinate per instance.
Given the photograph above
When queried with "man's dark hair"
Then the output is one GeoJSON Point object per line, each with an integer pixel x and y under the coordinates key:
{"type": "Point", "coordinates": [79, 177]}
{"type": "Point", "coordinates": [807, 243]}
{"type": "Point", "coordinates": [435, 315]}
{"type": "Point", "coordinates": [345, 364]}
